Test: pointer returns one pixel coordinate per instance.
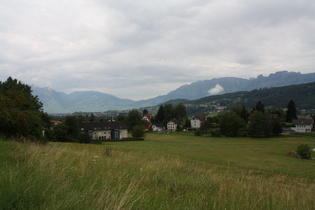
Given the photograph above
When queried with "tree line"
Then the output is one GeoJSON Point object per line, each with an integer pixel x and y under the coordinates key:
{"type": "Point", "coordinates": [258, 122]}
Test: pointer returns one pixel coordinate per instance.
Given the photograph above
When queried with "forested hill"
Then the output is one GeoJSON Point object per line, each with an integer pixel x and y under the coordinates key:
{"type": "Point", "coordinates": [303, 95]}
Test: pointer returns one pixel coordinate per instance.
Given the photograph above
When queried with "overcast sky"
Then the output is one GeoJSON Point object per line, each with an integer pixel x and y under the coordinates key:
{"type": "Point", "coordinates": [138, 49]}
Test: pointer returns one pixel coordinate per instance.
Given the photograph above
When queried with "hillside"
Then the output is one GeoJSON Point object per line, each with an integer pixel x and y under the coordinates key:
{"type": "Point", "coordinates": [224, 85]}
{"type": "Point", "coordinates": [90, 101]}
{"type": "Point", "coordinates": [303, 95]}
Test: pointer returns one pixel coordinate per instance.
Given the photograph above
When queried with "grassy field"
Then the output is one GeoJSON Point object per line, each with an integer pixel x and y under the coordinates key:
{"type": "Point", "coordinates": [166, 171]}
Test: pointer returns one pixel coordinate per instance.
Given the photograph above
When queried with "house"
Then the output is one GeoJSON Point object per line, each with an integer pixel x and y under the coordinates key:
{"type": "Point", "coordinates": [201, 117]}
{"type": "Point", "coordinates": [147, 117]}
{"type": "Point", "coordinates": [147, 126]}
{"type": "Point", "coordinates": [105, 130]}
{"type": "Point", "coordinates": [195, 123]}
{"type": "Point", "coordinates": [172, 125]}
{"type": "Point", "coordinates": [55, 122]}
{"type": "Point", "coordinates": [302, 125]}
{"type": "Point", "coordinates": [158, 127]}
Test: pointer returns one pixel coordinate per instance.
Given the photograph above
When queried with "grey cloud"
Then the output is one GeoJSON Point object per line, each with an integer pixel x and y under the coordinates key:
{"type": "Point", "coordinates": [112, 45]}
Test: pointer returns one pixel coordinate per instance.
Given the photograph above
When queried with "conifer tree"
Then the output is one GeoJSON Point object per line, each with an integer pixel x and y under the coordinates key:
{"type": "Point", "coordinates": [291, 112]}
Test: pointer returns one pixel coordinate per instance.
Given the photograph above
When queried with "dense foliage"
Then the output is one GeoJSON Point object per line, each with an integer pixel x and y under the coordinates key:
{"type": "Point", "coordinates": [259, 125]}
{"type": "Point", "coordinates": [133, 119]}
{"type": "Point", "coordinates": [168, 112]}
{"type": "Point", "coordinates": [21, 113]}
{"type": "Point", "coordinates": [304, 151]}
{"type": "Point", "coordinates": [138, 131]}
{"type": "Point", "coordinates": [291, 112]}
{"type": "Point", "coordinates": [231, 124]}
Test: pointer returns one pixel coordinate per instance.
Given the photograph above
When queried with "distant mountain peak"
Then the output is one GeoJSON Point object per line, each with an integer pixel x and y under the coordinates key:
{"type": "Point", "coordinates": [93, 101]}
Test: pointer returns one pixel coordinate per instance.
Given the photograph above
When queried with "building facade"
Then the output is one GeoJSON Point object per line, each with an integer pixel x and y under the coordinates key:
{"type": "Point", "coordinates": [105, 130]}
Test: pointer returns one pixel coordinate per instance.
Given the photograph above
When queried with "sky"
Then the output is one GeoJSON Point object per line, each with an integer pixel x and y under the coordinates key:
{"type": "Point", "coordinates": [139, 49]}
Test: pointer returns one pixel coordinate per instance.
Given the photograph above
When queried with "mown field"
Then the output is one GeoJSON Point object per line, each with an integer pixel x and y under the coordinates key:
{"type": "Point", "coordinates": [166, 171]}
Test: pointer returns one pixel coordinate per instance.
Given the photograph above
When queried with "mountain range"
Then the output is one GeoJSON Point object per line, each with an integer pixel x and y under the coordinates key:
{"type": "Point", "coordinates": [93, 101]}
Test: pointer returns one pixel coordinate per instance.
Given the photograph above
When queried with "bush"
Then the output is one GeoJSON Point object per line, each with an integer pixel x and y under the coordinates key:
{"type": "Point", "coordinates": [198, 133]}
{"type": "Point", "coordinates": [304, 151]}
{"type": "Point", "coordinates": [84, 137]}
{"type": "Point", "coordinates": [138, 131]}
{"type": "Point", "coordinates": [215, 132]}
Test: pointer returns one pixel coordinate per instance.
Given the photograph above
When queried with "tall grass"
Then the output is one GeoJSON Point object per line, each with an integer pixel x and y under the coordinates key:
{"type": "Point", "coordinates": [126, 176]}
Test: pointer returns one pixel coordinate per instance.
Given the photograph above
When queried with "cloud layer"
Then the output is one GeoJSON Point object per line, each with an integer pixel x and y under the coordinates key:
{"type": "Point", "coordinates": [140, 49]}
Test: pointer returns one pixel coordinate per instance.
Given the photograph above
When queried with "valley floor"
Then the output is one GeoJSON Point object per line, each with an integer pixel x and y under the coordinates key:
{"type": "Point", "coordinates": [165, 171]}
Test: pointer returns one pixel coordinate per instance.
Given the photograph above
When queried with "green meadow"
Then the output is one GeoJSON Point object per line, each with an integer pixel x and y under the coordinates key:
{"type": "Point", "coordinates": [165, 171]}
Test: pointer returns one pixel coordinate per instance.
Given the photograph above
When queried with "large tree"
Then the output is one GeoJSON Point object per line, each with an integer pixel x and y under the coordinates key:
{"type": "Point", "coordinates": [169, 113]}
{"type": "Point", "coordinates": [134, 118]}
{"type": "Point", "coordinates": [260, 107]}
{"type": "Point", "coordinates": [259, 125]}
{"type": "Point", "coordinates": [73, 126]}
{"type": "Point", "coordinates": [291, 112]}
{"type": "Point", "coordinates": [20, 111]}
{"type": "Point", "coordinates": [180, 113]}
{"type": "Point", "coordinates": [159, 117]}
{"type": "Point", "coordinates": [231, 124]}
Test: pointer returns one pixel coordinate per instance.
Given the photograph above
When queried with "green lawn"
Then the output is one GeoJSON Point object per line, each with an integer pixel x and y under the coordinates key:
{"type": "Point", "coordinates": [165, 171]}
{"type": "Point", "coordinates": [248, 153]}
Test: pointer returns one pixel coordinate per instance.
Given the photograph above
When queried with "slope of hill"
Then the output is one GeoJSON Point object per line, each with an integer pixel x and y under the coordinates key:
{"type": "Point", "coordinates": [303, 95]}
{"type": "Point", "coordinates": [223, 85]}
{"type": "Point", "coordinates": [90, 101]}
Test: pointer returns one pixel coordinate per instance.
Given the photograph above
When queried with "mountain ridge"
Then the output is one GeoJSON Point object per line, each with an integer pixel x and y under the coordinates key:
{"type": "Point", "coordinates": [93, 101]}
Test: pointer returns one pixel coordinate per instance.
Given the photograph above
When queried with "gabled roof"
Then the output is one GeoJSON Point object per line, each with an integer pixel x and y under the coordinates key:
{"type": "Point", "coordinates": [159, 125]}
{"type": "Point", "coordinates": [174, 121]}
{"type": "Point", "coordinates": [302, 121]}
{"type": "Point", "coordinates": [200, 117]}
{"type": "Point", "coordinates": [149, 116]}
{"type": "Point", "coordinates": [89, 126]}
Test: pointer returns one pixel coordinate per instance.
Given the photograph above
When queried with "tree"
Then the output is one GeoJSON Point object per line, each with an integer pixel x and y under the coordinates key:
{"type": "Point", "coordinates": [92, 117]}
{"type": "Point", "coordinates": [260, 107]}
{"type": "Point", "coordinates": [231, 124]}
{"type": "Point", "coordinates": [20, 111]}
{"type": "Point", "coordinates": [169, 113]}
{"type": "Point", "coordinates": [276, 128]}
{"type": "Point", "coordinates": [134, 118]}
{"type": "Point", "coordinates": [244, 114]}
{"type": "Point", "coordinates": [144, 112]}
{"type": "Point", "coordinates": [180, 113]}
{"type": "Point", "coordinates": [241, 111]}
{"type": "Point", "coordinates": [291, 112]}
{"type": "Point", "coordinates": [259, 125]}
{"type": "Point", "coordinates": [159, 117]}
{"type": "Point", "coordinates": [138, 131]}
{"type": "Point", "coordinates": [121, 118]}
{"type": "Point", "coordinates": [73, 126]}
{"type": "Point", "coordinates": [84, 137]}
{"type": "Point", "coordinates": [207, 125]}
{"type": "Point", "coordinates": [60, 133]}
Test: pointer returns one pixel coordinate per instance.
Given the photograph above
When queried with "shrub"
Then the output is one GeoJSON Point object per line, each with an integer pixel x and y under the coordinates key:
{"type": "Point", "coordinates": [198, 132]}
{"type": "Point", "coordinates": [138, 131]}
{"type": "Point", "coordinates": [304, 151]}
{"type": "Point", "coordinates": [84, 137]}
{"type": "Point", "coordinates": [215, 132]}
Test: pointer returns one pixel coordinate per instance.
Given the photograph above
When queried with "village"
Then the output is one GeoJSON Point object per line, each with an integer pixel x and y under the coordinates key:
{"type": "Point", "coordinates": [116, 125]}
